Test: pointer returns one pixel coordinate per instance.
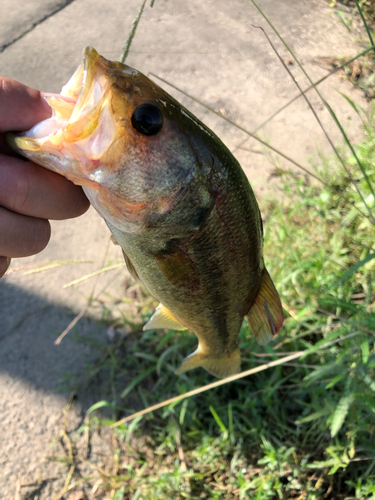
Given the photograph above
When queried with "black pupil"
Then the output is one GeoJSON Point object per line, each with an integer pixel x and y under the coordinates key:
{"type": "Point", "coordinates": [147, 119]}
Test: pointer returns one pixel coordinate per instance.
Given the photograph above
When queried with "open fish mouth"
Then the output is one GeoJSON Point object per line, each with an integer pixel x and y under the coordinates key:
{"type": "Point", "coordinates": [80, 129]}
{"type": "Point", "coordinates": [116, 134]}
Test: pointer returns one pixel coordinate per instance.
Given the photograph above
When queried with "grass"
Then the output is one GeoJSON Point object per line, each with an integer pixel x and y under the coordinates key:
{"type": "Point", "coordinates": [356, 14]}
{"type": "Point", "coordinates": [303, 429]}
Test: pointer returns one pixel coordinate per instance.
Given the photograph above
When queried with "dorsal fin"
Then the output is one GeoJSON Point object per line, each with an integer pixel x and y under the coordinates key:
{"type": "Point", "coordinates": [163, 318]}
{"type": "Point", "coordinates": [266, 314]}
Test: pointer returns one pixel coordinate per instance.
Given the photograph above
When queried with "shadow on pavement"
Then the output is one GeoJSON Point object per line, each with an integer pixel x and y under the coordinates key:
{"type": "Point", "coordinates": [29, 328]}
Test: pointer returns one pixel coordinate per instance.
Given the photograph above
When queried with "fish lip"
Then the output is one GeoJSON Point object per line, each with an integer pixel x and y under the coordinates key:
{"type": "Point", "coordinates": [89, 64]}
{"type": "Point", "coordinates": [24, 141]}
{"type": "Point", "coordinates": [78, 91]}
{"type": "Point", "coordinates": [76, 86]}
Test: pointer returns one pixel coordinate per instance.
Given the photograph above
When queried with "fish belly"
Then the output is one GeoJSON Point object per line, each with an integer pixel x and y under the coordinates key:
{"type": "Point", "coordinates": [207, 281]}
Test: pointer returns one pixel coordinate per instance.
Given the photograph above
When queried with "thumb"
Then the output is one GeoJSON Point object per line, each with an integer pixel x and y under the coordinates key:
{"type": "Point", "coordinates": [21, 107]}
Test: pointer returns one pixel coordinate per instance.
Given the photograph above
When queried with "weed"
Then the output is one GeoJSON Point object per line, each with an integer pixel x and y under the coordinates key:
{"type": "Point", "coordinates": [301, 430]}
{"type": "Point", "coordinates": [298, 431]}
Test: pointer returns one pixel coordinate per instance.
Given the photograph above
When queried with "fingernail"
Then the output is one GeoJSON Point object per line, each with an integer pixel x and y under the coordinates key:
{"type": "Point", "coordinates": [59, 96]}
{"type": "Point", "coordinates": [45, 104]}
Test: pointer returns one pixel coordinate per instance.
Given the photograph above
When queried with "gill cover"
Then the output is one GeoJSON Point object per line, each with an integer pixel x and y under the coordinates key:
{"type": "Point", "coordinates": [125, 140]}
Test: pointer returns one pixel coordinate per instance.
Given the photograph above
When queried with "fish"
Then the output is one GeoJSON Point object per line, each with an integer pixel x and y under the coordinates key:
{"type": "Point", "coordinates": [174, 198]}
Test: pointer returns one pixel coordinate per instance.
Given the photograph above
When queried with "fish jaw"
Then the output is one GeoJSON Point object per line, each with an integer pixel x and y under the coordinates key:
{"type": "Point", "coordinates": [196, 240]}
{"type": "Point", "coordinates": [72, 141]}
{"type": "Point", "coordinates": [131, 180]}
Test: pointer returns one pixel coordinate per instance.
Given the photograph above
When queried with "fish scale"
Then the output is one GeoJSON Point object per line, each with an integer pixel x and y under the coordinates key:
{"type": "Point", "coordinates": [175, 199]}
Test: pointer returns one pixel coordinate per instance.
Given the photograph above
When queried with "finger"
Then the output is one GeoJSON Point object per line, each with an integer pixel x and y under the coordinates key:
{"type": "Point", "coordinates": [31, 190]}
{"type": "Point", "coordinates": [6, 150]}
{"type": "Point", "coordinates": [4, 264]}
{"type": "Point", "coordinates": [21, 236]}
{"type": "Point", "coordinates": [21, 107]}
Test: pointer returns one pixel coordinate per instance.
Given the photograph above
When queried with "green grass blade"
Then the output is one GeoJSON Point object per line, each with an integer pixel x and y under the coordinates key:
{"type": "Point", "coordinates": [340, 413]}
{"type": "Point", "coordinates": [103, 404]}
{"type": "Point", "coordinates": [364, 22]}
{"type": "Point", "coordinates": [137, 379]}
{"type": "Point", "coordinates": [314, 416]}
{"type": "Point", "coordinates": [365, 348]}
{"type": "Point", "coordinates": [354, 106]}
{"type": "Point", "coordinates": [218, 420]}
{"type": "Point", "coordinates": [143, 397]}
{"type": "Point", "coordinates": [366, 378]}
{"type": "Point", "coordinates": [166, 353]}
{"type": "Point", "coordinates": [218, 383]}
{"type": "Point", "coordinates": [313, 85]}
{"type": "Point", "coordinates": [310, 106]}
{"type": "Point", "coordinates": [357, 159]}
{"type": "Point", "coordinates": [132, 426]}
{"type": "Point", "coordinates": [91, 275]}
{"type": "Point", "coordinates": [368, 401]}
{"type": "Point", "coordinates": [183, 412]}
{"type": "Point", "coordinates": [351, 271]}
{"type": "Point", "coordinates": [247, 132]}
{"type": "Point", "coordinates": [327, 342]}
{"type": "Point", "coordinates": [128, 43]}
{"type": "Point", "coordinates": [336, 379]}
{"type": "Point", "coordinates": [230, 422]}
{"type": "Point", "coordinates": [344, 20]}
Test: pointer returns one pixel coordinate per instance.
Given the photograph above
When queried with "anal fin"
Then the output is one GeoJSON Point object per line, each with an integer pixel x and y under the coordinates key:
{"type": "Point", "coordinates": [163, 318]}
{"type": "Point", "coordinates": [221, 367]}
{"type": "Point", "coordinates": [266, 314]}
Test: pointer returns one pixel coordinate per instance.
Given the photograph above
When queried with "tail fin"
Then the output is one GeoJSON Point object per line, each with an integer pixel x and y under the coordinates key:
{"type": "Point", "coordinates": [266, 314]}
{"type": "Point", "coordinates": [220, 367]}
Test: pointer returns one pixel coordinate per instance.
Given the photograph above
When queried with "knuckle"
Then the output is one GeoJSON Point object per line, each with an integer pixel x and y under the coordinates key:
{"type": "Point", "coordinates": [15, 185]}
{"type": "Point", "coordinates": [21, 192]}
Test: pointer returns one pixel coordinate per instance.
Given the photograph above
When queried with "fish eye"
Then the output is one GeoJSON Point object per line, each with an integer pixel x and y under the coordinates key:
{"type": "Point", "coordinates": [147, 119]}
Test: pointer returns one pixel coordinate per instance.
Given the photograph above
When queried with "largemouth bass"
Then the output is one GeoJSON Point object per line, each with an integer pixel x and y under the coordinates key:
{"type": "Point", "coordinates": [175, 199]}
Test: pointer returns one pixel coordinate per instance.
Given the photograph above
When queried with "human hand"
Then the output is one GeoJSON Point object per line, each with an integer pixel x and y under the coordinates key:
{"type": "Point", "coordinates": [29, 194]}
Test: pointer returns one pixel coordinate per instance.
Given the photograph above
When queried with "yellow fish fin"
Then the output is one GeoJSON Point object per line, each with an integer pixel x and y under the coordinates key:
{"type": "Point", "coordinates": [163, 318]}
{"type": "Point", "coordinates": [178, 266]}
{"type": "Point", "coordinates": [130, 267]}
{"type": "Point", "coordinates": [266, 314]}
{"type": "Point", "coordinates": [114, 241]}
{"type": "Point", "coordinates": [220, 367]}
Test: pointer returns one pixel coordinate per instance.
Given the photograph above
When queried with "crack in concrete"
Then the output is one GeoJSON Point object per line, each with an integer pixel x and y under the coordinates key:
{"type": "Point", "coordinates": [20, 321]}
{"type": "Point", "coordinates": [60, 7]}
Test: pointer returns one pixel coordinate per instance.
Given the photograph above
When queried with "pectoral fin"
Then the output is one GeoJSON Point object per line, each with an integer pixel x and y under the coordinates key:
{"type": "Point", "coordinates": [178, 266]}
{"type": "Point", "coordinates": [130, 267]}
{"type": "Point", "coordinates": [114, 241]}
{"type": "Point", "coordinates": [220, 367]}
{"type": "Point", "coordinates": [266, 314]}
{"type": "Point", "coordinates": [163, 318]}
